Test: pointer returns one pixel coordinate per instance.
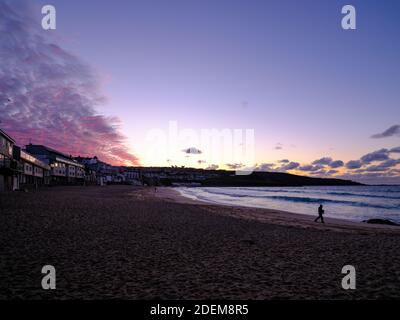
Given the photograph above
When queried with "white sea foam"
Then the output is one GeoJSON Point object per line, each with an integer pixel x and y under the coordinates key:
{"type": "Point", "coordinates": [354, 203]}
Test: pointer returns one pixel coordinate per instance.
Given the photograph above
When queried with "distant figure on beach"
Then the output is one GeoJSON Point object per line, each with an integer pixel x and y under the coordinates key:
{"type": "Point", "coordinates": [320, 214]}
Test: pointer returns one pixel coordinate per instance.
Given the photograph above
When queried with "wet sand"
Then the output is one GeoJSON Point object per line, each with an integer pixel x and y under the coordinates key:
{"type": "Point", "coordinates": [122, 242]}
{"type": "Point", "coordinates": [275, 216]}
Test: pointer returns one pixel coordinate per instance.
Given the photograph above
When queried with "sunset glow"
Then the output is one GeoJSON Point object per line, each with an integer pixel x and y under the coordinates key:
{"type": "Point", "coordinates": [308, 89]}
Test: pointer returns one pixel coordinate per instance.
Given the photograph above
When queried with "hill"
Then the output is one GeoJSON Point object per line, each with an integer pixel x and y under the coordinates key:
{"type": "Point", "coordinates": [269, 179]}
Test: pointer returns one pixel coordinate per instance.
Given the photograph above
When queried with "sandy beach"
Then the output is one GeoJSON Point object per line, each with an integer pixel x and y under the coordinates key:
{"type": "Point", "coordinates": [121, 242]}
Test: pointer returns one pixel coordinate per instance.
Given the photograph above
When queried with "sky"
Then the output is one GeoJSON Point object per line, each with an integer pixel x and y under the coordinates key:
{"type": "Point", "coordinates": [116, 77]}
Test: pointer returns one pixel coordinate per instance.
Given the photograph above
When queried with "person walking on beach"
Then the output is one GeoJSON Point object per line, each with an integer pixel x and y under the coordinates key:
{"type": "Point", "coordinates": [320, 214]}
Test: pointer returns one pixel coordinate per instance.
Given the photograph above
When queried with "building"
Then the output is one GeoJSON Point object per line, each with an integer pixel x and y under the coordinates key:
{"type": "Point", "coordinates": [90, 172]}
{"type": "Point", "coordinates": [168, 176]}
{"type": "Point", "coordinates": [64, 170]}
{"type": "Point", "coordinates": [132, 176]}
{"type": "Point", "coordinates": [103, 172]}
{"type": "Point", "coordinates": [8, 165]}
{"type": "Point", "coordinates": [32, 172]}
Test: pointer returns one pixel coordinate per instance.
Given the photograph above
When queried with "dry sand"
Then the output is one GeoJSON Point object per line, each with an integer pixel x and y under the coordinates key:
{"type": "Point", "coordinates": [133, 243]}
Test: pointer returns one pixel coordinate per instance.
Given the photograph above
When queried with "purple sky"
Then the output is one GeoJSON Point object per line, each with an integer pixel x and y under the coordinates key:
{"type": "Point", "coordinates": [115, 70]}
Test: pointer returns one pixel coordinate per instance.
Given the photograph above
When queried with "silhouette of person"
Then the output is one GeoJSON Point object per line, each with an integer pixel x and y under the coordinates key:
{"type": "Point", "coordinates": [320, 214]}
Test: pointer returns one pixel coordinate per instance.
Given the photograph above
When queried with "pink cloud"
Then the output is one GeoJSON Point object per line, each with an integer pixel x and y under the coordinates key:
{"type": "Point", "coordinates": [49, 96]}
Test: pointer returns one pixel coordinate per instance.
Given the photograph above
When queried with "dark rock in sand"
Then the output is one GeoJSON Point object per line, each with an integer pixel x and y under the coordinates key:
{"type": "Point", "coordinates": [381, 221]}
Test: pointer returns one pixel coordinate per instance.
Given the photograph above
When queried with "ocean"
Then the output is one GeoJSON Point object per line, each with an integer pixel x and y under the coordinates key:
{"type": "Point", "coordinates": [355, 203]}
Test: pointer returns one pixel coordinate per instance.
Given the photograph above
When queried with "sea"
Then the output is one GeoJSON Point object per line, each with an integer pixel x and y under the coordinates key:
{"type": "Point", "coordinates": [355, 203]}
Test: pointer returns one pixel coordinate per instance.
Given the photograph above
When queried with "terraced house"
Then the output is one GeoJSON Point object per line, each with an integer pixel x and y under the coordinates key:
{"type": "Point", "coordinates": [32, 173]}
{"type": "Point", "coordinates": [8, 166]}
{"type": "Point", "coordinates": [64, 170]}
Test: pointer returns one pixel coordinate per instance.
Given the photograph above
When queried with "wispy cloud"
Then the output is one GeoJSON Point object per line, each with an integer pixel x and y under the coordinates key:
{"type": "Point", "coordinates": [212, 167]}
{"type": "Point", "coordinates": [392, 131]}
{"type": "Point", "coordinates": [383, 166]}
{"type": "Point", "coordinates": [332, 172]}
{"type": "Point", "coordinates": [192, 151]}
{"type": "Point", "coordinates": [373, 167]}
{"type": "Point", "coordinates": [265, 167]}
{"type": "Point", "coordinates": [354, 164]}
{"type": "Point", "coordinates": [282, 166]}
{"type": "Point", "coordinates": [336, 164]}
{"type": "Point", "coordinates": [311, 168]}
{"type": "Point", "coordinates": [278, 146]}
{"type": "Point", "coordinates": [48, 95]}
{"type": "Point", "coordinates": [289, 166]}
{"type": "Point", "coordinates": [323, 161]}
{"type": "Point", "coordinates": [234, 166]}
{"type": "Point", "coordinates": [378, 155]}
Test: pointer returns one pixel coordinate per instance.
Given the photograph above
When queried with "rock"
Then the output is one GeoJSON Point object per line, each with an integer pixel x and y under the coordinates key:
{"type": "Point", "coordinates": [381, 221]}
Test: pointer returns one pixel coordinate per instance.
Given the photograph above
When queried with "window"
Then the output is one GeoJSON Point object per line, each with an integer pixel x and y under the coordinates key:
{"type": "Point", "coordinates": [2, 145]}
{"type": "Point", "coordinates": [9, 148]}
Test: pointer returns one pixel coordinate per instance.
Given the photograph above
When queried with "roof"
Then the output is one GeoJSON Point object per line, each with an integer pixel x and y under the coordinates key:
{"type": "Point", "coordinates": [59, 156]}
{"type": "Point", "coordinates": [30, 158]}
{"type": "Point", "coordinates": [59, 153]}
{"type": "Point", "coordinates": [6, 136]}
{"type": "Point", "coordinates": [70, 162]}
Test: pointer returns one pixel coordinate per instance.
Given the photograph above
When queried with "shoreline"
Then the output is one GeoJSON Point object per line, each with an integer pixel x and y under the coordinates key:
{"type": "Point", "coordinates": [272, 216]}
